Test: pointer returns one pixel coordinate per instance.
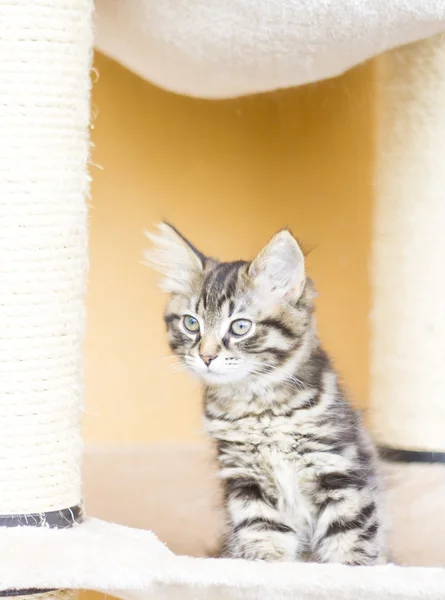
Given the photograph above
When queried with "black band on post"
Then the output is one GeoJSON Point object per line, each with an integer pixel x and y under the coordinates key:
{"type": "Point", "coordinates": [57, 519]}
{"type": "Point", "coordinates": [13, 593]}
{"type": "Point", "coordinates": [411, 456]}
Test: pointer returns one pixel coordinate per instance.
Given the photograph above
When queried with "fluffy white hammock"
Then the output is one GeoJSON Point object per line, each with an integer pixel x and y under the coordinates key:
{"type": "Point", "coordinates": [209, 48]}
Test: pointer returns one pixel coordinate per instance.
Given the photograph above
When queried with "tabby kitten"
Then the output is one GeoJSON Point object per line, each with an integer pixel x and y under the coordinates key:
{"type": "Point", "coordinates": [298, 468]}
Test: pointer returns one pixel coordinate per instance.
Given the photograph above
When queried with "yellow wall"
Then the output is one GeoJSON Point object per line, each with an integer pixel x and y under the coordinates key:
{"type": "Point", "coordinates": [228, 174]}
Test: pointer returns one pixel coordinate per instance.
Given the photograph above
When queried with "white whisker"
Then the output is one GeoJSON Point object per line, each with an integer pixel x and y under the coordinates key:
{"type": "Point", "coordinates": [160, 361]}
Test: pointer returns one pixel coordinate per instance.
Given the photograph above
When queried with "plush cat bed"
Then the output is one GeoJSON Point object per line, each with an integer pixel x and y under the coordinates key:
{"type": "Point", "coordinates": [133, 565]}
{"type": "Point", "coordinates": [138, 486]}
{"type": "Point", "coordinates": [219, 49]}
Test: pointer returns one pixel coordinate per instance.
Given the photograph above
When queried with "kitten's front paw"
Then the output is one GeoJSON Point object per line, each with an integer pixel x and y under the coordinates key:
{"type": "Point", "coordinates": [268, 546]}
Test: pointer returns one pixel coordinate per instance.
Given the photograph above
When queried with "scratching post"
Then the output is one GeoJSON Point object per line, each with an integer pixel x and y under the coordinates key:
{"type": "Point", "coordinates": [408, 351]}
{"type": "Point", "coordinates": [45, 55]}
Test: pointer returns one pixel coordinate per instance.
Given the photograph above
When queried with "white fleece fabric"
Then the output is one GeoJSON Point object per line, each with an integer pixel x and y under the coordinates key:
{"type": "Point", "coordinates": [133, 565]}
{"type": "Point", "coordinates": [408, 329]}
{"type": "Point", "coordinates": [219, 49]}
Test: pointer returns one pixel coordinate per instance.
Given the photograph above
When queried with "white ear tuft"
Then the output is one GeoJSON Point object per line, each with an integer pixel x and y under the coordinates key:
{"type": "Point", "coordinates": [279, 267]}
{"type": "Point", "coordinates": [175, 258]}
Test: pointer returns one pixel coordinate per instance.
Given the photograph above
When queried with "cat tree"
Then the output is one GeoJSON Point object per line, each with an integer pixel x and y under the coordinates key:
{"type": "Point", "coordinates": [47, 548]}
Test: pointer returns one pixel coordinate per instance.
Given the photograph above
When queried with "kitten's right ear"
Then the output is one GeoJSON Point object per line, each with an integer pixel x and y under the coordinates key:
{"type": "Point", "coordinates": [279, 267]}
{"type": "Point", "coordinates": [175, 258]}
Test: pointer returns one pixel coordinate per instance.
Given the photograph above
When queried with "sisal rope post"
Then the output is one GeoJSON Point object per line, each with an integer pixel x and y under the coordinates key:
{"type": "Point", "coordinates": [45, 60]}
{"type": "Point", "coordinates": [408, 347]}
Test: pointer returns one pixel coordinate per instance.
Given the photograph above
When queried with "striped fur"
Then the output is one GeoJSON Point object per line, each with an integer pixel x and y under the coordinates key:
{"type": "Point", "coordinates": [298, 468]}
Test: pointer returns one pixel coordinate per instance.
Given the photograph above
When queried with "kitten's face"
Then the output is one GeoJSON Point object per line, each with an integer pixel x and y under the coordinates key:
{"type": "Point", "coordinates": [233, 321]}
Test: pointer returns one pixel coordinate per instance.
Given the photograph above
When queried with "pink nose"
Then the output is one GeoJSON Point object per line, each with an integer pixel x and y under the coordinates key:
{"type": "Point", "coordinates": [207, 359]}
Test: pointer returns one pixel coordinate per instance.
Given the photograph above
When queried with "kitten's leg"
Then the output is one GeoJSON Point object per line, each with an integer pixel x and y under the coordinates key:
{"type": "Point", "coordinates": [349, 531]}
{"type": "Point", "coordinates": [258, 530]}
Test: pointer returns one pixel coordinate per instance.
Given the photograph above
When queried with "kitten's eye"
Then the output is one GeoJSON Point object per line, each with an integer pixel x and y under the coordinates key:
{"type": "Point", "coordinates": [191, 324]}
{"type": "Point", "coordinates": [240, 327]}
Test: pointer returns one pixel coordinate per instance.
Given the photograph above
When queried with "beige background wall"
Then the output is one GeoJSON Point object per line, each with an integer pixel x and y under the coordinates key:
{"type": "Point", "coordinates": [228, 174]}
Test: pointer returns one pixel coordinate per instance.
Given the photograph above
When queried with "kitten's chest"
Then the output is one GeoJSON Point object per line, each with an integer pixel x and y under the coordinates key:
{"type": "Point", "coordinates": [273, 437]}
{"type": "Point", "coordinates": [269, 456]}
{"type": "Point", "coordinates": [265, 429]}
{"type": "Point", "coordinates": [287, 453]}
{"type": "Point", "coordinates": [253, 430]}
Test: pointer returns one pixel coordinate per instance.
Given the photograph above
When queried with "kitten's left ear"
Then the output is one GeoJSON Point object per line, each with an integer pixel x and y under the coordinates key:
{"type": "Point", "coordinates": [172, 255]}
{"type": "Point", "coordinates": [279, 267]}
